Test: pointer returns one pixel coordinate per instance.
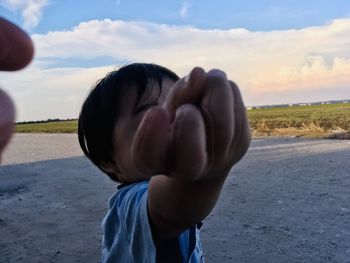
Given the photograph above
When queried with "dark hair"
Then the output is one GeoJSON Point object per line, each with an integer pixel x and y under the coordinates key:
{"type": "Point", "coordinates": [99, 112]}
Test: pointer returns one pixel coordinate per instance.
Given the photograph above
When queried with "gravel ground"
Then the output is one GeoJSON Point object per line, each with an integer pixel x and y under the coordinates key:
{"type": "Point", "coordinates": [286, 201]}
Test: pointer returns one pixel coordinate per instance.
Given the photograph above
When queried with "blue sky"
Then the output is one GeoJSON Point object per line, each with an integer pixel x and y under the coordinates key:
{"type": "Point", "coordinates": [277, 51]}
{"type": "Point", "coordinates": [224, 14]}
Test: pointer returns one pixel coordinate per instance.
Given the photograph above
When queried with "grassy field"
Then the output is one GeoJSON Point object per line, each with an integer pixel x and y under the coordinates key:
{"type": "Point", "coordinates": [332, 121]}
{"type": "Point", "coordinates": [48, 127]}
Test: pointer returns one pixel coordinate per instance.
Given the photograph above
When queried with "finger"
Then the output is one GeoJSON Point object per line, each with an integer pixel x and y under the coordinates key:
{"type": "Point", "coordinates": [188, 154]}
{"type": "Point", "coordinates": [16, 47]}
{"type": "Point", "coordinates": [188, 90]}
{"type": "Point", "coordinates": [7, 118]}
{"type": "Point", "coordinates": [150, 145]}
{"type": "Point", "coordinates": [242, 136]}
{"type": "Point", "coordinates": [217, 108]}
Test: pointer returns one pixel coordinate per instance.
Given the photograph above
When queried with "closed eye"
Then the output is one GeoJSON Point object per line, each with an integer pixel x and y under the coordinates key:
{"type": "Point", "coordinates": [141, 108]}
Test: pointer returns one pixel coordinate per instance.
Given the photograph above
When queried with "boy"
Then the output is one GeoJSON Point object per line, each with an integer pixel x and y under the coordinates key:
{"type": "Point", "coordinates": [172, 143]}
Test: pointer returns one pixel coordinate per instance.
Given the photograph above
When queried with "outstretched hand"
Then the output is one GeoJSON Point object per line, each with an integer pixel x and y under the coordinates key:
{"type": "Point", "coordinates": [16, 51]}
{"type": "Point", "coordinates": [199, 132]}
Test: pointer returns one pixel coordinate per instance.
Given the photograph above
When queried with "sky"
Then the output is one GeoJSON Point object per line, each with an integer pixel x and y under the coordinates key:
{"type": "Point", "coordinates": [276, 51]}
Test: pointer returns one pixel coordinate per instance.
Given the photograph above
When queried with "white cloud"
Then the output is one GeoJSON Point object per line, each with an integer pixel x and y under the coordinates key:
{"type": "Point", "coordinates": [31, 10]}
{"type": "Point", "coordinates": [314, 74]}
{"type": "Point", "coordinates": [41, 94]}
{"type": "Point", "coordinates": [271, 67]}
{"type": "Point", "coordinates": [281, 58]}
{"type": "Point", "coordinates": [184, 9]}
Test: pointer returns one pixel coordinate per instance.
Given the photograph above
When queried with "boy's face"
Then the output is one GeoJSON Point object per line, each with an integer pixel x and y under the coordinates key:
{"type": "Point", "coordinates": [126, 127]}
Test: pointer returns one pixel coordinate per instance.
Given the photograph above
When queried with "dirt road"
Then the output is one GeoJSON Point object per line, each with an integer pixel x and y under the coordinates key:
{"type": "Point", "coordinates": [287, 201]}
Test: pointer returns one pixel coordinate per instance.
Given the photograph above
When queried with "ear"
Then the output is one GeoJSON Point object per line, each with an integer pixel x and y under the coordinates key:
{"type": "Point", "coordinates": [110, 167]}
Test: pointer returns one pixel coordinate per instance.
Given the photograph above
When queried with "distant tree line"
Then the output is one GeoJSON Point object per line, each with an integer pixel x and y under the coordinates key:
{"type": "Point", "coordinates": [299, 104]}
{"type": "Point", "coordinates": [45, 121]}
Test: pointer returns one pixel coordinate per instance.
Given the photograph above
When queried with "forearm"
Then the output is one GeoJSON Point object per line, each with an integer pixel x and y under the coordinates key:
{"type": "Point", "coordinates": [176, 204]}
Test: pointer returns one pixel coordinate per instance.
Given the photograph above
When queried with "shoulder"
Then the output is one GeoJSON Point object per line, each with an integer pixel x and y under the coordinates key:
{"type": "Point", "coordinates": [129, 204]}
{"type": "Point", "coordinates": [128, 193]}
{"type": "Point", "coordinates": [126, 230]}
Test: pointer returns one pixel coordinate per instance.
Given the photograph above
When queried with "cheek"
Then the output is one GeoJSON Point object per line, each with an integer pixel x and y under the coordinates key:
{"type": "Point", "coordinates": [126, 134]}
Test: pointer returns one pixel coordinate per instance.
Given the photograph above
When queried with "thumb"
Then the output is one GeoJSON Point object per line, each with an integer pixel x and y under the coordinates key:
{"type": "Point", "coordinates": [188, 147]}
{"type": "Point", "coordinates": [16, 47]}
{"type": "Point", "coordinates": [150, 145]}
